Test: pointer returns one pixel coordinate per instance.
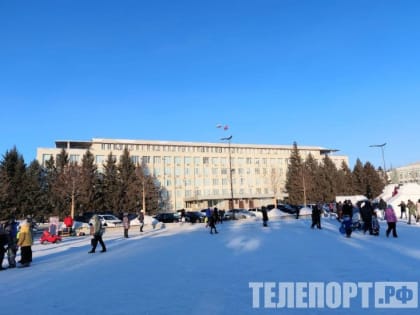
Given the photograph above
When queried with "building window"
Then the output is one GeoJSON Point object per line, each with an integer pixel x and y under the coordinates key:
{"type": "Point", "coordinates": [74, 158]}
{"type": "Point", "coordinates": [99, 159]}
{"type": "Point", "coordinates": [135, 159]}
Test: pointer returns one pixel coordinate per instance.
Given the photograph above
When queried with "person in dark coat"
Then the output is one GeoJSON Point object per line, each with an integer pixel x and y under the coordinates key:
{"type": "Point", "coordinates": [264, 215]}
{"type": "Point", "coordinates": [3, 244]}
{"type": "Point", "coordinates": [348, 216]}
{"type": "Point", "coordinates": [212, 224]}
{"type": "Point", "coordinates": [366, 211]}
{"type": "Point", "coordinates": [316, 216]}
{"type": "Point", "coordinates": [11, 229]}
{"type": "Point", "coordinates": [403, 207]}
{"type": "Point", "coordinates": [141, 220]}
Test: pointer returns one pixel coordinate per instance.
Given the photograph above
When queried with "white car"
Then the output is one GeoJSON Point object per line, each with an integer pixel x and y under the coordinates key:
{"type": "Point", "coordinates": [109, 220]}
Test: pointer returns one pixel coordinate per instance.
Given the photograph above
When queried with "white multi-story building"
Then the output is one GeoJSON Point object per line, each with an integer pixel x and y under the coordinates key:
{"type": "Point", "coordinates": [199, 175]}
{"type": "Point", "coordinates": [405, 174]}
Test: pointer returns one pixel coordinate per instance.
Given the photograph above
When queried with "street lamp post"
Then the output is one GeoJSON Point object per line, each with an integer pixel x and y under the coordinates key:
{"type": "Point", "coordinates": [383, 155]}
{"type": "Point", "coordinates": [228, 139]}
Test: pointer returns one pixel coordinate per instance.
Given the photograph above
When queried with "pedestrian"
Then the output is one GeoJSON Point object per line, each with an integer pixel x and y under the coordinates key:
{"type": "Point", "coordinates": [126, 224]}
{"type": "Point", "coordinates": [25, 243]}
{"type": "Point", "coordinates": [382, 206]}
{"type": "Point", "coordinates": [339, 211]}
{"type": "Point", "coordinates": [212, 224]}
{"type": "Point", "coordinates": [11, 229]}
{"type": "Point", "coordinates": [348, 217]}
{"type": "Point", "coordinates": [3, 243]}
{"type": "Point", "coordinates": [208, 216]}
{"type": "Point", "coordinates": [97, 232]}
{"type": "Point", "coordinates": [221, 215]}
{"type": "Point", "coordinates": [182, 216]}
{"type": "Point", "coordinates": [316, 216]}
{"type": "Point", "coordinates": [403, 207]}
{"type": "Point", "coordinates": [391, 220]}
{"type": "Point", "coordinates": [366, 211]}
{"type": "Point", "coordinates": [418, 210]}
{"type": "Point", "coordinates": [411, 210]}
{"type": "Point", "coordinates": [68, 223]}
{"type": "Point", "coordinates": [216, 215]}
{"type": "Point", "coordinates": [264, 215]}
{"type": "Point", "coordinates": [141, 220]}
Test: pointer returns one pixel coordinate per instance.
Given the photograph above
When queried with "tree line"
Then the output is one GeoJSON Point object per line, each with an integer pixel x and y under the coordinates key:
{"type": "Point", "coordinates": [53, 189]}
{"type": "Point", "coordinates": [44, 191]}
{"type": "Point", "coordinates": [308, 181]}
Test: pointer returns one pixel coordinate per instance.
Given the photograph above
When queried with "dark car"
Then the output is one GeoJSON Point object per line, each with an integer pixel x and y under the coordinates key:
{"type": "Point", "coordinates": [168, 217]}
{"type": "Point", "coordinates": [194, 216]}
{"type": "Point", "coordinates": [287, 208]}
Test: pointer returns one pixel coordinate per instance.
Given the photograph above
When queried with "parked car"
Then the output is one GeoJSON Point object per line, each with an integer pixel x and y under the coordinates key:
{"type": "Point", "coordinates": [287, 208]}
{"type": "Point", "coordinates": [167, 217]}
{"type": "Point", "coordinates": [195, 216]}
{"type": "Point", "coordinates": [238, 214]}
{"type": "Point", "coordinates": [109, 220]}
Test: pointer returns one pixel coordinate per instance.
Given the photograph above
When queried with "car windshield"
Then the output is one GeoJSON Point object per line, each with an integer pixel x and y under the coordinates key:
{"type": "Point", "coordinates": [109, 217]}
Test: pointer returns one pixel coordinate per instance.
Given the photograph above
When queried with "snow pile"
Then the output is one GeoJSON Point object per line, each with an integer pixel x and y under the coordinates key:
{"type": "Point", "coordinates": [406, 191]}
{"type": "Point", "coordinates": [277, 214]}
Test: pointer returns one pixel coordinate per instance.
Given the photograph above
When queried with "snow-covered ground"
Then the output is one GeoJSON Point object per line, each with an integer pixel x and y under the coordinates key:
{"type": "Point", "coordinates": [182, 269]}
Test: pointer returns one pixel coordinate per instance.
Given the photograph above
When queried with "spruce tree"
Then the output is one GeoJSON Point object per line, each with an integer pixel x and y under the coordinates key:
{"type": "Point", "coordinates": [111, 184]}
{"type": "Point", "coordinates": [327, 180]}
{"type": "Point", "coordinates": [311, 167]}
{"type": "Point", "coordinates": [129, 190]}
{"type": "Point", "coordinates": [87, 183]}
{"type": "Point", "coordinates": [12, 180]}
{"type": "Point", "coordinates": [359, 178]}
{"type": "Point", "coordinates": [295, 178]}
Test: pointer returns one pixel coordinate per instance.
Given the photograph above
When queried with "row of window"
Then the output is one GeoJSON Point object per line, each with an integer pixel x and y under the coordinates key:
{"type": "Point", "coordinates": [192, 149]}
{"type": "Point", "coordinates": [218, 192]}
{"type": "Point", "coordinates": [178, 160]}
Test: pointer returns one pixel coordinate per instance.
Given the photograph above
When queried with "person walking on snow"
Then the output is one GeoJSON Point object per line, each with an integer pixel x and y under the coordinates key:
{"type": "Point", "coordinates": [25, 243]}
{"type": "Point", "coordinates": [141, 220]}
{"type": "Point", "coordinates": [411, 210]}
{"type": "Point", "coordinates": [126, 224]}
{"type": "Point", "coordinates": [316, 216]}
{"type": "Point", "coordinates": [212, 224]}
{"type": "Point", "coordinates": [391, 220]}
{"type": "Point", "coordinates": [97, 232]}
{"type": "Point", "coordinates": [264, 215]}
{"type": "Point", "coordinates": [403, 207]}
{"type": "Point", "coordinates": [418, 210]}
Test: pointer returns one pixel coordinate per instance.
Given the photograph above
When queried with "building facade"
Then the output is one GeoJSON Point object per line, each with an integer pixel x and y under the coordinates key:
{"type": "Point", "coordinates": [405, 174]}
{"type": "Point", "coordinates": [198, 175]}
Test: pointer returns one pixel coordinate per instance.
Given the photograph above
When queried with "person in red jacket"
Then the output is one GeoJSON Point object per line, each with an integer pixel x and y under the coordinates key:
{"type": "Point", "coordinates": [68, 222]}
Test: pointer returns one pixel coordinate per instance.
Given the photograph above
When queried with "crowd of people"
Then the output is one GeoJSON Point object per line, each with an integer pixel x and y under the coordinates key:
{"type": "Point", "coordinates": [12, 237]}
{"type": "Point", "coordinates": [15, 236]}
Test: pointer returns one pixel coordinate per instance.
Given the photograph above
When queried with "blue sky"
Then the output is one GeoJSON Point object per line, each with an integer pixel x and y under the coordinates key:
{"type": "Point", "coordinates": [336, 74]}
